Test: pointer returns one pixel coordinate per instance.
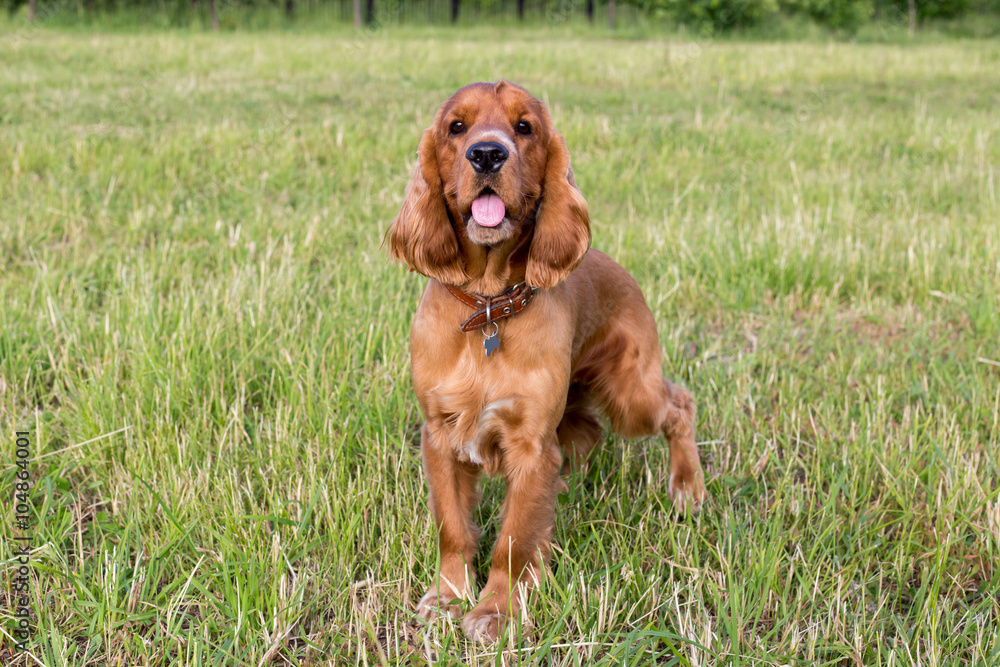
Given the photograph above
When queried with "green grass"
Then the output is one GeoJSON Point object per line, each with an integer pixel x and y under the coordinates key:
{"type": "Point", "coordinates": [189, 250]}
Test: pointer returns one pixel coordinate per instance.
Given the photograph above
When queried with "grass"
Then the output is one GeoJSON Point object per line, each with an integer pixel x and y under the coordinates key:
{"type": "Point", "coordinates": [209, 349]}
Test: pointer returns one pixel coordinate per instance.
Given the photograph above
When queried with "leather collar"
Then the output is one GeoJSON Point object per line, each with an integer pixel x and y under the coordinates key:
{"type": "Point", "coordinates": [489, 309]}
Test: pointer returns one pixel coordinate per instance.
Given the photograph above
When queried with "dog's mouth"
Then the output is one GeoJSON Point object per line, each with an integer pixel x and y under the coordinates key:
{"type": "Point", "coordinates": [488, 209]}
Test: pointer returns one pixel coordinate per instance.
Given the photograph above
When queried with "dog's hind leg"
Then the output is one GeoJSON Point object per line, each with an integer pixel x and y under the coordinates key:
{"type": "Point", "coordinates": [623, 373]}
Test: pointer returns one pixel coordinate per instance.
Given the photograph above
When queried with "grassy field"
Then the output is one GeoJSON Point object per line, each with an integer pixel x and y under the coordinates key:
{"type": "Point", "coordinates": [209, 349]}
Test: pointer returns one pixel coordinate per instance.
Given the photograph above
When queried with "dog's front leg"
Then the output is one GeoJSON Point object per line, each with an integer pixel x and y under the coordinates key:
{"type": "Point", "coordinates": [453, 496]}
{"type": "Point", "coordinates": [532, 472]}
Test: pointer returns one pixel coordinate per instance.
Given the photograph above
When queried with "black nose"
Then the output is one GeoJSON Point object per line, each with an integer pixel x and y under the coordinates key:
{"type": "Point", "coordinates": [487, 156]}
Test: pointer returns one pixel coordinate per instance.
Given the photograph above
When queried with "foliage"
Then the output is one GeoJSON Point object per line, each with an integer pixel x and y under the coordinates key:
{"type": "Point", "coordinates": [933, 9]}
{"type": "Point", "coordinates": [836, 14]}
{"type": "Point", "coordinates": [706, 17]}
{"type": "Point", "coordinates": [712, 16]}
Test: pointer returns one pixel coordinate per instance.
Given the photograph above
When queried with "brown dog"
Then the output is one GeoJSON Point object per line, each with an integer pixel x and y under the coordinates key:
{"type": "Point", "coordinates": [551, 331]}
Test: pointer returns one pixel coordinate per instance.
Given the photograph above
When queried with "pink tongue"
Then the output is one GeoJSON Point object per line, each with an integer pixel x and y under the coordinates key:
{"type": "Point", "coordinates": [488, 210]}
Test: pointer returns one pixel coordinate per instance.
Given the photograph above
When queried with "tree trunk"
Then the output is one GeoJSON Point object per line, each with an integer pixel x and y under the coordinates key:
{"type": "Point", "coordinates": [590, 11]}
{"type": "Point", "coordinates": [357, 14]}
{"type": "Point", "coordinates": [912, 6]}
{"type": "Point", "coordinates": [211, 12]}
{"type": "Point", "coordinates": [520, 10]}
{"type": "Point", "coordinates": [454, 11]}
{"type": "Point", "coordinates": [289, 8]}
{"type": "Point", "coordinates": [611, 14]}
{"type": "Point", "coordinates": [31, 11]}
{"type": "Point", "coordinates": [370, 12]}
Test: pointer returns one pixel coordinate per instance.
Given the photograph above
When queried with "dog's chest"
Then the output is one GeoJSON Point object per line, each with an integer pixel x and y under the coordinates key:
{"type": "Point", "coordinates": [468, 397]}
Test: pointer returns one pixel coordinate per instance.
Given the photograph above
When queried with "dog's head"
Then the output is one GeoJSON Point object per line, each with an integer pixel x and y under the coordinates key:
{"type": "Point", "coordinates": [491, 172]}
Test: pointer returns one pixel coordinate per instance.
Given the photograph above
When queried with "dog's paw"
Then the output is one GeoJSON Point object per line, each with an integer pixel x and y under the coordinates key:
{"type": "Point", "coordinates": [436, 604]}
{"type": "Point", "coordinates": [687, 490]}
{"type": "Point", "coordinates": [484, 625]}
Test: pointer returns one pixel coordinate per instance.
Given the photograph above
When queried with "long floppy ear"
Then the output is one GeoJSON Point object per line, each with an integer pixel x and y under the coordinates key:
{"type": "Point", "coordinates": [562, 227]}
{"type": "Point", "coordinates": [422, 235]}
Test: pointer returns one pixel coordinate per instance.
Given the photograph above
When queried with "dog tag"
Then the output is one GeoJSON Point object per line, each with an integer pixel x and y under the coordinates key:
{"type": "Point", "coordinates": [491, 343]}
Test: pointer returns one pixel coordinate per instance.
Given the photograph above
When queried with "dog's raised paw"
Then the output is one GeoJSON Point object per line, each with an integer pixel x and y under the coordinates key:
{"type": "Point", "coordinates": [687, 492]}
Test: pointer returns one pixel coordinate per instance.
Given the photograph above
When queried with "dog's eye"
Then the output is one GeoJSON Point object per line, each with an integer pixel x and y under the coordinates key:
{"type": "Point", "coordinates": [523, 128]}
{"type": "Point", "coordinates": [458, 127]}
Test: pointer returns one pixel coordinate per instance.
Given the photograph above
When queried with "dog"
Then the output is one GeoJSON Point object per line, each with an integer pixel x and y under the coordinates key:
{"type": "Point", "coordinates": [521, 335]}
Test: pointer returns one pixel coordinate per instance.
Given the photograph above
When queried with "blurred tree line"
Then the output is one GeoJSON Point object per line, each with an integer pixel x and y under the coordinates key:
{"type": "Point", "coordinates": [722, 15]}
{"type": "Point", "coordinates": [704, 16]}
